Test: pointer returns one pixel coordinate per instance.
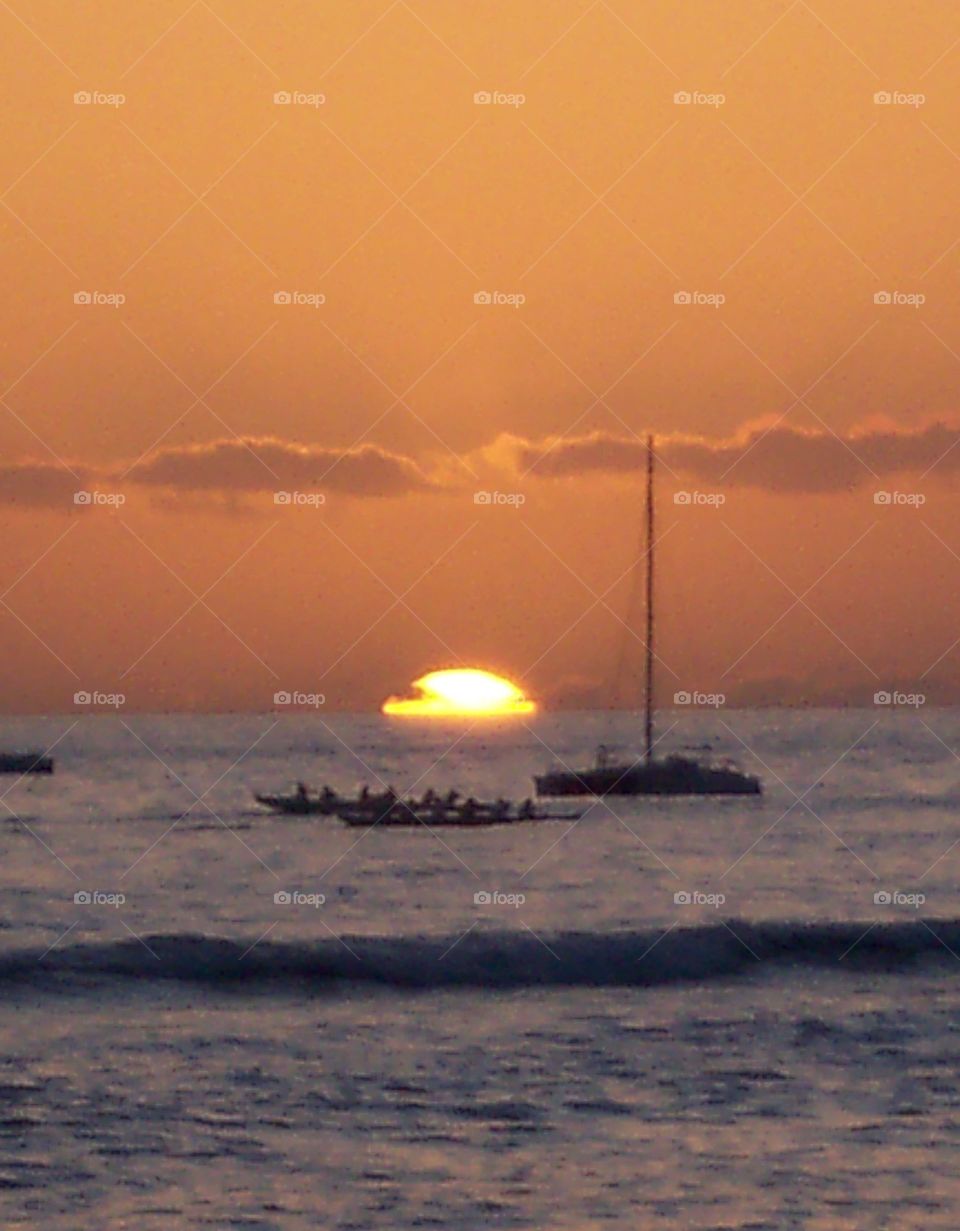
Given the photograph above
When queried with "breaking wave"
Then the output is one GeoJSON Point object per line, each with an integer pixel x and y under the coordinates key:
{"type": "Point", "coordinates": [496, 960]}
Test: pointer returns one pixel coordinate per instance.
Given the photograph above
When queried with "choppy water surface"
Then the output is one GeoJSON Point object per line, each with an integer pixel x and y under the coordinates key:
{"type": "Point", "coordinates": [700, 1013]}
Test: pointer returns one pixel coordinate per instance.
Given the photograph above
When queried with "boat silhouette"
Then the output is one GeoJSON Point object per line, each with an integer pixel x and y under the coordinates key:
{"type": "Point", "coordinates": [25, 763]}
{"type": "Point", "coordinates": [647, 774]}
{"type": "Point", "coordinates": [466, 815]}
{"type": "Point", "coordinates": [387, 808]}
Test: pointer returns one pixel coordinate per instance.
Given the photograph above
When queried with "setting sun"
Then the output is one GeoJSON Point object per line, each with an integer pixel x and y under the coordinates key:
{"type": "Point", "coordinates": [441, 694]}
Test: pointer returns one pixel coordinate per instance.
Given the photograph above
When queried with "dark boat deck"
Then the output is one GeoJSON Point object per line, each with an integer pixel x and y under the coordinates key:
{"type": "Point", "coordinates": [671, 776]}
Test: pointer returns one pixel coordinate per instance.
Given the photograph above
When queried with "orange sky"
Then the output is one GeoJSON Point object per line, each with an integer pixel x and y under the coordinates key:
{"type": "Point", "coordinates": [597, 199]}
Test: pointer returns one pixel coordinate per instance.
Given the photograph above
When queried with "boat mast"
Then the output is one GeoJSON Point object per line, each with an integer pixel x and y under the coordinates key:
{"type": "Point", "coordinates": [648, 742]}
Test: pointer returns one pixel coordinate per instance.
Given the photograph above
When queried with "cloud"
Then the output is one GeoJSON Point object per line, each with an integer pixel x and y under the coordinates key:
{"type": "Point", "coordinates": [224, 470]}
{"type": "Point", "coordinates": [266, 464]}
{"type": "Point", "coordinates": [40, 485]}
{"type": "Point", "coordinates": [773, 458]}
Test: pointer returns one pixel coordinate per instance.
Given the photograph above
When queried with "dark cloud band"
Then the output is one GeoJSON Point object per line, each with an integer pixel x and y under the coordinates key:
{"type": "Point", "coordinates": [775, 459]}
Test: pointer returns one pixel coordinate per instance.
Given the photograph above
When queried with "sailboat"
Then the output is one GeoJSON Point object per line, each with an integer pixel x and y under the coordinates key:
{"type": "Point", "coordinates": [647, 774]}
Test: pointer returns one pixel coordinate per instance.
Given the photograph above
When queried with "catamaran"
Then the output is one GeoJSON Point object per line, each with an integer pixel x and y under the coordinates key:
{"type": "Point", "coordinates": [647, 774]}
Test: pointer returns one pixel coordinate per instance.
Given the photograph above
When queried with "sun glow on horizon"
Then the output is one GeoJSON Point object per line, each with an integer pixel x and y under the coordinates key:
{"type": "Point", "coordinates": [461, 691]}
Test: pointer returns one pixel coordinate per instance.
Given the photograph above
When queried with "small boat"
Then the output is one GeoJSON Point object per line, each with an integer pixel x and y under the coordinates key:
{"type": "Point", "coordinates": [303, 802]}
{"type": "Point", "coordinates": [649, 774]}
{"type": "Point", "coordinates": [25, 763]}
{"type": "Point", "coordinates": [461, 816]}
{"type": "Point", "coordinates": [295, 804]}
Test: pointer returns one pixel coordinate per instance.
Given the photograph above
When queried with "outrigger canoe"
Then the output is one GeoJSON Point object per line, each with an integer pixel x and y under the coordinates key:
{"type": "Point", "coordinates": [387, 809]}
{"type": "Point", "coordinates": [406, 816]}
{"type": "Point", "coordinates": [299, 805]}
{"type": "Point", "coordinates": [319, 803]}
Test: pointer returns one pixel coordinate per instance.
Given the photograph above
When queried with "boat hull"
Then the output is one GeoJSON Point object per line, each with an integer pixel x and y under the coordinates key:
{"type": "Point", "coordinates": [679, 777]}
{"type": "Point", "coordinates": [408, 819]}
{"type": "Point", "coordinates": [316, 805]}
{"type": "Point", "coordinates": [293, 805]}
{"type": "Point", "coordinates": [25, 763]}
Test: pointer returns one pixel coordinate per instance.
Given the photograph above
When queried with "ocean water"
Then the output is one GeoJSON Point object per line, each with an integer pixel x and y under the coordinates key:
{"type": "Point", "coordinates": [734, 1013]}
